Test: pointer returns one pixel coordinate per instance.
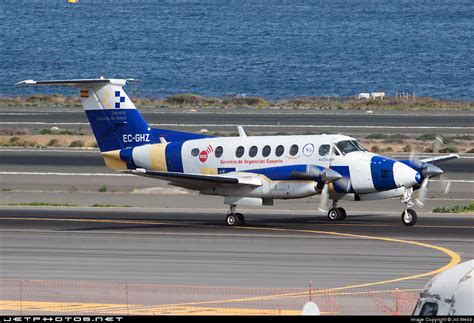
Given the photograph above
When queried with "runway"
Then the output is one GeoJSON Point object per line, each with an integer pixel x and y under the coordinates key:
{"type": "Point", "coordinates": [261, 120]}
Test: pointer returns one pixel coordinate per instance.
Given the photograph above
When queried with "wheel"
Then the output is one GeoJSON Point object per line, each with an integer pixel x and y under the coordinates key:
{"type": "Point", "coordinates": [334, 214]}
{"type": "Point", "coordinates": [409, 217]}
{"type": "Point", "coordinates": [232, 220]}
{"type": "Point", "coordinates": [343, 213]}
{"type": "Point", "coordinates": [241, 218]}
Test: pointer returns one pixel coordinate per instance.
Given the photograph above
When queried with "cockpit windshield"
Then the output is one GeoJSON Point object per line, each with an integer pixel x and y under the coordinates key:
{"type": "Point", "coordinates": [348, 146]}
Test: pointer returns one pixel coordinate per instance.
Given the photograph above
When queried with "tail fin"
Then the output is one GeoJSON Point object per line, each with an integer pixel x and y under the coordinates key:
{"type": "Point", "coordinates": [114, 119]}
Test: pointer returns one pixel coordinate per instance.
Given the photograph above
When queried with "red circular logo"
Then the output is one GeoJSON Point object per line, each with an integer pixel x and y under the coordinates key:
{"type": "Point", "coordinates": [203, 155]}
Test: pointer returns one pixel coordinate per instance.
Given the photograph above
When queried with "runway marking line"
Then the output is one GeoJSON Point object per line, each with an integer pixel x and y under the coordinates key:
{"type": "Point", "coordinates": [455, 259]}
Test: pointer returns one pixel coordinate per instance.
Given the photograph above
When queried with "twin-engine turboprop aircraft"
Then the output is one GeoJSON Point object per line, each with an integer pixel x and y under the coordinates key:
{"type": "Point", "coordinates": [247, 170]}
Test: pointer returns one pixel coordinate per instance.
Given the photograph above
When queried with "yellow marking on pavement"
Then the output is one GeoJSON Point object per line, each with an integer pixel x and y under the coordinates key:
{"type": "Point", "coordinates": [394, 225]}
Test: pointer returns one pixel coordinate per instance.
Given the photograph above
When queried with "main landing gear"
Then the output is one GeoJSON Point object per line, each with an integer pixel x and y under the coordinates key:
{"type": "Point", "coordinates": [336, 213]}
{"type": "Point", "coordinates": [409, 216]}
{"type": "Point", "coordinates": [234, 219]}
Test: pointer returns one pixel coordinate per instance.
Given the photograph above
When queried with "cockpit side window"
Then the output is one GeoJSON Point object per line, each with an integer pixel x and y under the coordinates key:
{"type": "Point", "coordinates": [325, 150]}
{"type": "Point", "coordinates": [359, 145]}
{"type": "Point", "coordinates": [348, 146]}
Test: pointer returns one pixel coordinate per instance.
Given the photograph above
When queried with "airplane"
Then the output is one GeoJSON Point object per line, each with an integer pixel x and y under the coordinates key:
{"type": "Point", "coordinates": [247, 170]}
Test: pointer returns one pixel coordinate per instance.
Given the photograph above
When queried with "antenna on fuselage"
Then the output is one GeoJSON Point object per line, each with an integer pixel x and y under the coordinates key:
{"type": "Point", "coordinates": [241, 131]}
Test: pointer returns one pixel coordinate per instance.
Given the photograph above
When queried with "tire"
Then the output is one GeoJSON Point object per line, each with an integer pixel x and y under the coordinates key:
{"type": "Point", "coordinates": [343, 213]}
{"type": "Point", "coordinates": [232, 220]}
{"type": "Point", "coordinates": [410, 218]}
{"type": "Point", "coordinates": [241, 218]}
{"type": "Point", "coordinates": [334, 214]}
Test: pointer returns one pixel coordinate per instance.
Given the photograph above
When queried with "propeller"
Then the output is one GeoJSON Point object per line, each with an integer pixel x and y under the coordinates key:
{"type": "Point", "coordinates": [323, 203]}
{"type": "Point", "coordinates": [321, 175]}
{"type": "Point", "coordinates": [328, 176]}
{"type": "Point", "coordinates": [428, 171]}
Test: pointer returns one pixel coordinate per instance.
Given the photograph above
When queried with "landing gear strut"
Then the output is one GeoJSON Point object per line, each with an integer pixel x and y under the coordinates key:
{"type": "Point", "coordinates": [234, 219]}
{"type": "Point", "coordinates": [409, 216]}
{"type": "Point", "coordinates": [336, 213]}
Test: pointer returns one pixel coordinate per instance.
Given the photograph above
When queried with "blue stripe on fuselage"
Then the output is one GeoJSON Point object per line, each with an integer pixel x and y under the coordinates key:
{"type": "Point", "coordinates": [173, 135]}
{"type": "Point", "coordinates": [126, 155]}
{"type": "Point", "coordinates": [174, 160]}
{"type": "Point", "coordinates": [121, 128]}
{"type": "Point", "coordinates": [381, 169]}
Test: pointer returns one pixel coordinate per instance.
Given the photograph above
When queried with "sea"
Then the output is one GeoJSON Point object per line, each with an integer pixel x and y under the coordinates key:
{"type": "Point", "coordinates": [268, 48]}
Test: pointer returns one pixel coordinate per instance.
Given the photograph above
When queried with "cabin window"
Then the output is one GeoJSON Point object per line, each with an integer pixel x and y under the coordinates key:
{"type": "Point", "coordinates": [195, 152]}
{"type": "Point", "coordinates": [429, 309]}
{"type": "Point", "coordinates": [239, 152]}
{"type": "Point", "coordinates": [294, 150]}
{"type": "Point", "coordinates": [324, 150]}
{"type": "Point", "coordinates": [266, 151]}
{"type": "Point", "coordinates": [253, 151]}
{"type": "Point", "coordinates": [279, 150]}
{"type": "Point", "coordinates": [219, 151]}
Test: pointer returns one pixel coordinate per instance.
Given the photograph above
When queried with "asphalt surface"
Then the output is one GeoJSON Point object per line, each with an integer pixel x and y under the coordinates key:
{"type": "Point", "coordinates": [290, 121]}
{"type": "Point", "coordinates": [185, 247]}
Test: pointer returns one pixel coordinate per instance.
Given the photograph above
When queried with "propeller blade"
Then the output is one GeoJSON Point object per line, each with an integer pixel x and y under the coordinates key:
{"type": "Point", "coordinates": [423, 192]}
{"type": "Point", "coordinates": [437, 144]}
{"type": "Point", "coordinates": [323, 204]}
{"type": "Point", "coordinates": [448, 187]}
{"type": "Point", "coordinates": [445, 184]}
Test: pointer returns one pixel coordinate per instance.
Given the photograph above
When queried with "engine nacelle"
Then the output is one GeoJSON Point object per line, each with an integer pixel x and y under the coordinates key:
{"type": "Point", "coordinates": [269, 190]}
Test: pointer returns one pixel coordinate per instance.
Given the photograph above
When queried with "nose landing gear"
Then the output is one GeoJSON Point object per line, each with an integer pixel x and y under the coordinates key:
{"type": "Point", "coordinates": [409, 216]}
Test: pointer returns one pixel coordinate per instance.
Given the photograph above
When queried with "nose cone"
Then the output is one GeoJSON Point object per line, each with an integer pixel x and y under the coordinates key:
{"type": "Point", "coordinates": [431, 170]}
{"type": "Point", "coordinates": [329, 175]}
{"type": "Point", "coordinates": [405, 175]}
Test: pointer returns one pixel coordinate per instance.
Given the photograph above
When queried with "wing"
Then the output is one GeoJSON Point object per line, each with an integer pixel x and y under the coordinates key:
{"type": "Point", "coordinates": [440, 158]}
{"type": "Point", "coordinates": [197, 181]}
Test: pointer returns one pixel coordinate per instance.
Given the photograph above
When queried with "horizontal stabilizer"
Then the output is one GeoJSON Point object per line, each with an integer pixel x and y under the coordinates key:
{"type": "Point", "coordinates": [79, 82]}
